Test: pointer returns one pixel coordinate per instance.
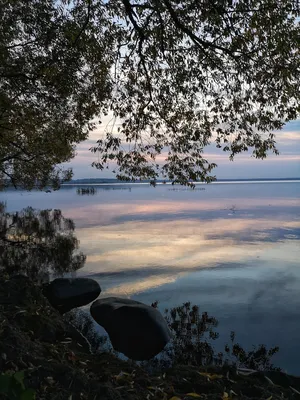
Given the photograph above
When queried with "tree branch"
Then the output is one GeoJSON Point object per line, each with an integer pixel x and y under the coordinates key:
{"type": "Point", "coordinates": [203, 43]}
{"type": "Point", "coordinates": [86, 22]}
{"type": "Point", "coordinates": [8, 158]}
{"type": "Point", "coordinates": [10, 177]}
{"type": "Point", "coordinates": [21, 44]}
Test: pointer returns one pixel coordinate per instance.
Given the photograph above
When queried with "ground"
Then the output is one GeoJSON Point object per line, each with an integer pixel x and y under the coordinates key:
{"type": "Point", "coordinates": [58, 365]}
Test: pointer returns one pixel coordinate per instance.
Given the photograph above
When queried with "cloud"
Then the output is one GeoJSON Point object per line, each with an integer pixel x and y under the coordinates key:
{"type": "Point", "coordinates": [288, 136]}
{"type": "Point", "coordinates": [244, 157]}
{"type": "Point", "coordinates": [131, 288]}
{"type": "Point", "coordinates": [109, 214]}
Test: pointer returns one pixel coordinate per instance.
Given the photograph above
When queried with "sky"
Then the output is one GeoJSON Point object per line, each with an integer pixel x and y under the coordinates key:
{"type": "Point", "coordinates": [286, 165]}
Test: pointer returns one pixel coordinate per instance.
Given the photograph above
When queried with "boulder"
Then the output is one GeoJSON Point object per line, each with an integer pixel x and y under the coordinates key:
{"type": "Point", "coordinates": [65, 294]}
{"type": "Point", "coordinates": [135, 329]}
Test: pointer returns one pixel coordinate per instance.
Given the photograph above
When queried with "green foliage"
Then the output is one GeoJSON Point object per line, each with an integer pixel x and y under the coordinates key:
{"type": "Point", "coordinates": [13, 388]}
{"type": "Point", "coordinates": [192, 73]}
{"type": "Point", "coordinates": [174, 76]}
{"type": "Point", "coordinates": [54, 75]}
{"type": "Point", "coordinates": [37, 243]}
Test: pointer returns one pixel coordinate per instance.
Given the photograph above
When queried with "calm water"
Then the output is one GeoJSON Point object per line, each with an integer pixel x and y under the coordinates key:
{"type": "Point", "coordinates": [232, 248]}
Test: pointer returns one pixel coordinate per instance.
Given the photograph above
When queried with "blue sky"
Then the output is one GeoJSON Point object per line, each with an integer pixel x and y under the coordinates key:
{"type": "Point", "coordinates": [287, 164]}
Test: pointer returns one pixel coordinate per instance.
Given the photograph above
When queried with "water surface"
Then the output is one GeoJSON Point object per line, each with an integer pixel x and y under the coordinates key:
{"type": "Point", "coordinates": [232, 248]}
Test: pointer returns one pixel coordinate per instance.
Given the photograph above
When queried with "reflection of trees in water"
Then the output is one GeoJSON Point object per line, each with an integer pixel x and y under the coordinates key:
{"type": "Point", "coordinates": [192, 332]}
{"type": "Point", "coordinates": [38, 243]}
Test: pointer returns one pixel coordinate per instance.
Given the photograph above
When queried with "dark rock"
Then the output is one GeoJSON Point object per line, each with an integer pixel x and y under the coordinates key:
{"type": "Point", "coordinates": [65, 294]}
{"type": "Point", "coordinates": [135, 329]}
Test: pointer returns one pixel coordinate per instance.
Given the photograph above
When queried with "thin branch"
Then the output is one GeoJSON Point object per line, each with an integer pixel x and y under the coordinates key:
{"type": "Point", "coordinates": [131, 15]}
{"type": "Point", "coordinates": [10, 177]}
{"type": "Point", "coordinates": [8, 158]}
{"type": "Point", "coordinates": [84, 26]}
{"type": "Point", "coordinates": [21, 44]}
{"type": "Point", "coordinates": [203, 43]}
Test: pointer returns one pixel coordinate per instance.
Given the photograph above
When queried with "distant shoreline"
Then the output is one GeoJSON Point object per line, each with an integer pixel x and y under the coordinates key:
{"type": "Point", "coordinates": [103, 182]}
{"type": "Point", "coordinates": [117, 183]}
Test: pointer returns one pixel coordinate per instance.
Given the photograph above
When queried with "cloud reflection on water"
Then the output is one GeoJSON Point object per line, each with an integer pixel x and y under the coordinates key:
{"type": "Point", "coordinates": [105, 213]}
{"type": "Point", "coordinates": [233, 249]}
{"type": "Point", "coordinates": [162, 238]}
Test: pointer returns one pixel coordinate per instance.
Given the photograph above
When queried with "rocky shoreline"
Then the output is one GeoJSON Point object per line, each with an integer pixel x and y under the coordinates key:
{"type": "Point", "coordinates": [57, 364]}
{"type": "Point", "coordinates": [135, 329]}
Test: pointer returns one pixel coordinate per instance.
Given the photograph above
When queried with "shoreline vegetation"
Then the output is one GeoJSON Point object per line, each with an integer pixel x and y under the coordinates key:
{"type": "Point", "coordinates": [45, 356]}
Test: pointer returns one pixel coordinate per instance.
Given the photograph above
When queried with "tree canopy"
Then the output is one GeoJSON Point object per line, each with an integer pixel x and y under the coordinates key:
{"type": "Point", "coordinates": [54, 78]}
{"type": "Point", "coordinates": [176, 76]}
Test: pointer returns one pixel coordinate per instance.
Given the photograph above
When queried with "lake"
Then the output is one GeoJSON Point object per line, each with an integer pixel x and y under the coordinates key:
{"type": "Point", "coordinates": [231, 248]}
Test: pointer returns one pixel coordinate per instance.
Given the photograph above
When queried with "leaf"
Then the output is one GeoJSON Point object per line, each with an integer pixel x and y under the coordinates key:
{"type": "Point", "coordinates": [71, 356]}
{"type": "Point", "coordinates": [20, 312]}
{"type": "Point", "coordinates": [123, 376]}
{"type": "Point", "coordinates": [246, 372]}
{"type": "Point", "coordinates": [270, 398]}
{"type": "Point", "coordinates": [226, 396]}
{"type": "Point", "coordinates": [28, 394]}
{"type": "Point", "coordinates": [294, 390]}
{"type": "Point", "coordinates": [270, 381]}
{"type": "Point", "coordinates": [216, 376]}
{"type": "Point", "coordinates": [175, 398]}
{"type": "Point", "coordinates": [206, 375]}
{"type": "Point", "coordinates": [19, 377]}
{"type": "Point", "coordinates": [210, 376]}
{"type": "Point", "coordinates": [50, 380]}
{"type": "Point", "coordinates": [193, 395]}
